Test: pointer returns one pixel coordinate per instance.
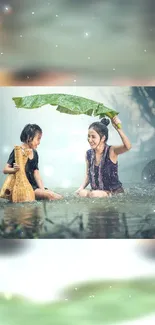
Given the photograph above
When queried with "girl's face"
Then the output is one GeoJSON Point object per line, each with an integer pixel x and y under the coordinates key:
{"type": "Point", "coordinates": [94, 138]}
{"type": "Point", "coordinates": [36, 141]}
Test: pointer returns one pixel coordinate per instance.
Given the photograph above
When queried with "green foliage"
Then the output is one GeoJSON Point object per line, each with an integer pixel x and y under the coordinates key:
{"type": "Point", "coordinates": [104, 302]}
{"type": "Point", "coordinates": [68, 104]}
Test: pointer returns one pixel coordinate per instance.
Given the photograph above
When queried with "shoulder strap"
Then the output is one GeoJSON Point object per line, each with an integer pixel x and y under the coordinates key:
{"type": "Point", "coordinates": [105, 153]}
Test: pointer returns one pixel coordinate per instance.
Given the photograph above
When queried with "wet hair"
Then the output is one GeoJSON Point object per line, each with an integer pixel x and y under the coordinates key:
{"type": "Point", "coordinates": [29, 132]}
{"type": "Point", "coordinates": [101, 127]}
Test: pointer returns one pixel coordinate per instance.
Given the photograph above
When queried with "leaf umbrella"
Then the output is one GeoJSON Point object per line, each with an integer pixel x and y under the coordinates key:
{"type": "Point", "coordinates": [69, 104]}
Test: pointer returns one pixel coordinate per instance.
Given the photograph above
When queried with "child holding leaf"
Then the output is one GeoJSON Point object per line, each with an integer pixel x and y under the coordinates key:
{"type": "Point", "coordinates": [101, 160]}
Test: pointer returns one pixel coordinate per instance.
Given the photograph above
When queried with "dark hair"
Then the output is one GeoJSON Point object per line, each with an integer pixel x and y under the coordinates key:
{"type": "Point", "coordinates": [101, 127]}
{"type": "Point", "coordinates": [29, 132]}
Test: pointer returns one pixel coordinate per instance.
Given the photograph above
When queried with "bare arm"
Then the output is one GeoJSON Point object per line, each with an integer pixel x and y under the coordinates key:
{"type": "Point", "coordinates": [38, 179]}
{"type": "Point", "coordinates": [8, 169]}
{"type": "Point", "coordinates": [86, 179]}
{"type": "Point", "coordinates": [117, 150]}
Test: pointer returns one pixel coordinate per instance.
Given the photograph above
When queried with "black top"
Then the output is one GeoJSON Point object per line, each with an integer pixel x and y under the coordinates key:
{"type": "Point", "coordinates": [30, 167]}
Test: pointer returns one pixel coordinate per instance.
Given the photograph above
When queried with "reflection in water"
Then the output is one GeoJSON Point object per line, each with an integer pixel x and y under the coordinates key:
{"type": "Point", "coordinates": [66, 230]}
{"type": "Point", "coordinates": [124, 220]}
{"type": "Point", "coordinates": [103, 223]}
{"type": "Point", "coordinates": [148, 234]}
{"type": "Point", "coordinates": [147, 228]}
{"type": "Point", "coordinates": [21, 221]}
{"type": "Point", "coordinates": [129, 215]}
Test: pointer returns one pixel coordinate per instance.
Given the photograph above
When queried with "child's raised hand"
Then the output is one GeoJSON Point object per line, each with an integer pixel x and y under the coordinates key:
{"type": "Point", "coordinates": [16, 167]}
{"type": "Point", "coordinates": [115, 122]}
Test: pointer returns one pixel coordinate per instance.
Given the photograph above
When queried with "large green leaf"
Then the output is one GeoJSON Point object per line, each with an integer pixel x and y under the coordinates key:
{"type": "Point", "coordinates": [69, 104]}
{"type": "Point", "coordinates": [105, 111]}
{"type": "Point", "coordinates": [99, 303]}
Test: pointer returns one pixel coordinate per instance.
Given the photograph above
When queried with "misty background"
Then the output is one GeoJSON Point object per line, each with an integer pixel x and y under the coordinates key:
{"type": "Point", "coordinates": [64, 141]}
{"type": "Point", "coordinates": [127, 260]}
{"type": "Point", "coordinates": [96, 43]}
{"type": "Point", "coordinates": [84, 280]}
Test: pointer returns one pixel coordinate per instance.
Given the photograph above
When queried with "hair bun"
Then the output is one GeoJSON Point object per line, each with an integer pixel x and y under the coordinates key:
{"type": "Point", "coordinates": [105, 121]}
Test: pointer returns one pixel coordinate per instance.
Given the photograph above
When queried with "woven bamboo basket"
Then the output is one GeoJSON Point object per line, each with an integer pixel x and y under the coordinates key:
{"type": "Point", "coordinates": [7, 188]}
{"type": "Point", "coordinates": [22, 189]}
